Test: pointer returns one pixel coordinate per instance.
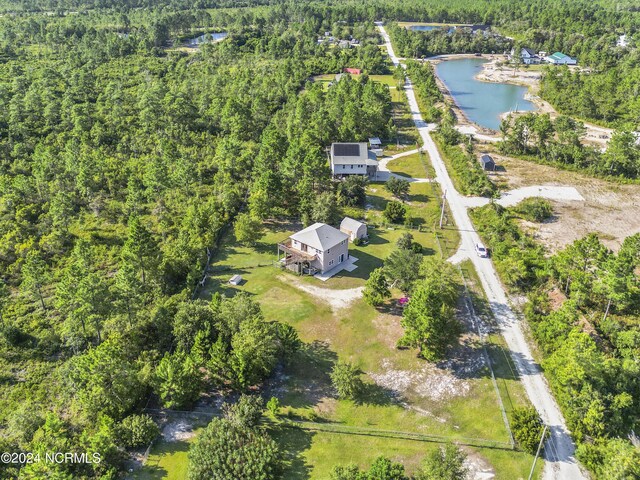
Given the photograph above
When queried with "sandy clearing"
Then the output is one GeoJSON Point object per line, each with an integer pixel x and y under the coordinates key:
{"type": "Point", "coordinates": [337, 299]}
{"type": "Point", "coordinates": [428, 381]}
{"type": "Point", "coordinates": [513, 197]}
{"type": "Point", "coordinates": [479, 468]}
{"type": "Point", "coordinates": [177, 431]}
{"type": "Point", "coordinates": [608, 209]}
{"type": "Point", "coordinates": [551, 192]}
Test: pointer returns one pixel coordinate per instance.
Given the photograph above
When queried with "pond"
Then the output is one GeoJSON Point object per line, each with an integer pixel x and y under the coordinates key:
{"type": "Point", "coordinates": [429, 28]}
{"type": "Point", "coordinates": [482, 102]}
{"type": "Point", "coordinates": [424, 28]}
{"type": "Point", "coordinates": [205, 38]}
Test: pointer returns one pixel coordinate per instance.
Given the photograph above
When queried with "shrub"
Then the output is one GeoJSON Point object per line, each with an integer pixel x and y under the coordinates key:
{"type": "Point", "coordinates": [357, 242]}
{"type": "Point", "coordinates": [395, 212]}
{"type": "Point", "coordinates": [137, 431]}
{"type": "Point", "coordinates": [445, 463]}
{"type": "Point", "coordinates": [398, 187]}
{"type": "Point", "coordinates": [247, 229]}
{"type": "Point", "coordinates": [527, 428]}
{"type": "Point", "coordinates": [246, 412]}
{"type": "Point", "coordinates": [227, 450]}
{"type": "Point", "coordinates": [416, 247]}
{"type": "Point", "coordinates": [405, 241]}
{"type": "Point", "coordinates": [345, 378]}
{"type": "Point", "coordinates": [273, 405]}
{"type": "Point", "coordinates": [376, 289]}
{"type": "Point", "coordinates": [534, 209]}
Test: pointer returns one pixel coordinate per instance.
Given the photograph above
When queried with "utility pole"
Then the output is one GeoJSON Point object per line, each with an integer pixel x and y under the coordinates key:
{"type": "Point", "coordinates": [544, 432]}
{"type": "Point", "coordinates": [444, 199]}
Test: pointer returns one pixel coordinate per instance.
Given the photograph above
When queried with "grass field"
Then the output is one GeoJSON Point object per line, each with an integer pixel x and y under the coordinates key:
{"type": "Point", "coordinates": [412, 166]}
{"type": "Point", "coordinates": [168, 461]}
{"type": "Point", "coordinates": [454, 399]}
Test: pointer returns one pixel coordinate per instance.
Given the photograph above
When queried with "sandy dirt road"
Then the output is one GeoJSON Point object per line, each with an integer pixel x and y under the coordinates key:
{"type": "Point", "coordinates": [559, 450]}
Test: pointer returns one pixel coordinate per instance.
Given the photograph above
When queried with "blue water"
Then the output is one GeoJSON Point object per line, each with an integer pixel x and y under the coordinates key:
{"type": "Point", "coordinates": [206, 37]}
{"type": "Point", "coordinates": [424, 28]}
{"type": "Point", "coordinates": [481, 102]}
{"type": "Point", "coordinates": [428, 28]}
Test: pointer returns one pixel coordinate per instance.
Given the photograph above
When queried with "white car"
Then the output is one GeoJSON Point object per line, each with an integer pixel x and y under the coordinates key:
{"type": "Point", "coordinates": [481, 250]}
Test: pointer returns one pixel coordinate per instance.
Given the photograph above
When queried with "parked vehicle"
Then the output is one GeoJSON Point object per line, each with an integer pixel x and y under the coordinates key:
{"type": "Point", "coordinates": [481, 250]}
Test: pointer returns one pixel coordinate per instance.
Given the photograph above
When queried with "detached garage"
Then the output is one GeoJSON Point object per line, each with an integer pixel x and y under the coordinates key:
{"type": "Point", "coordinates": [353, 228]}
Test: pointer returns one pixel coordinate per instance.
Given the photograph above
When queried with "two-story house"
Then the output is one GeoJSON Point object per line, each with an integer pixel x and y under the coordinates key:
{"type": "Point", "coordinates": [352, 159]}
{"type": "Point", "coordinates": [317, 248]}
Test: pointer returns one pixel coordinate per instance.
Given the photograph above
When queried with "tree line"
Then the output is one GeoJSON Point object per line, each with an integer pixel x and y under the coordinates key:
{"type": "Point", "coordinates": [582, 307]}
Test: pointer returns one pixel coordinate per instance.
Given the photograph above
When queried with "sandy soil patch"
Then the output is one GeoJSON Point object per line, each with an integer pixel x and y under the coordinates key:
{"type": "Point", "coordinates": [479, 468]}
{"type": "Point", "coordinates": [551, 192]}
{"type": "Point", "coordinates": [337, 299]}
{"type": "Point", "coordinates": [609, 209]}
{"type": "Point", "coordinates": [178, 430]}
{"type": "Point", "coordinates": [428, 381]}
{"type": "Point", "coordinates": [388, 329]}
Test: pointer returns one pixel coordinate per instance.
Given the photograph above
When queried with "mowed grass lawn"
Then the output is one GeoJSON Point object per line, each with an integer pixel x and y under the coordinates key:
{"type": "Point", "coordinates": [366, 337]}
{"type": "Point", "coordinates": [403, 393]}
{"type": "Point", "coordinates": [167, 461]}
{"type": "Point", "coordinates": [412, 166]}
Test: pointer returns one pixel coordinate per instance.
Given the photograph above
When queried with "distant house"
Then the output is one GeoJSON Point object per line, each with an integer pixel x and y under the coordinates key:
{"type": "Point", "coordinates": [352, 71]}
{"type": "Point", "coordinates": [353, 228]}
{"type": "Point", "coordinates": [529, 57]}
{"type": "Point", "coordinates": [560, 58]}
{"type": "Point", "coordinates": [376, 146]}
{"type": "Point", "coordinates": [487, 163]}
{"type": "Point", "coordinates": [352, 159]}
{"type": "Point", "coordinates": [317, 248]}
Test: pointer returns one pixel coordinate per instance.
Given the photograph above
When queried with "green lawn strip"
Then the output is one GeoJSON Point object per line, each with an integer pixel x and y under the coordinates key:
{"type": "Point", "coordinates": [412, 166]}
{"type": "Point", "coordinates": [424, 212]}
{"type": "Point", "coordinates": [511, 389]}
{"type": "Point", "coordinates": [167, 461]}
{"type": "Point", "coordinates": [313, 455]}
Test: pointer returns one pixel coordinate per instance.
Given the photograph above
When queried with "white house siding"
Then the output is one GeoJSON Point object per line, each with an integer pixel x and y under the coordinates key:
{"type": "Point", "coordinates": [331, 257]}
{"type": "Point", "coordinates": [352, 169]}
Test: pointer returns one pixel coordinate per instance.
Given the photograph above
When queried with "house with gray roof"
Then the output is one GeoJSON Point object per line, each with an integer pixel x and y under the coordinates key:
{"type": "Point", "coordinates": [353, 228]}
{"type": "Point", "coordinates": [352, 159]}
{"type": "Point", "coordinates": [315, 249]}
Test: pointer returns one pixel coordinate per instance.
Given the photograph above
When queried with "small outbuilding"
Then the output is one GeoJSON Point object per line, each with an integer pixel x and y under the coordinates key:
{"type": "Point", "coordinates": [376, 146]}
{"type": "Point", "coordinates": [236, 280]}
{"type": "Point", "coordinates": [487, 163]}
{"type": "Point", "coordinates": [353, 228]}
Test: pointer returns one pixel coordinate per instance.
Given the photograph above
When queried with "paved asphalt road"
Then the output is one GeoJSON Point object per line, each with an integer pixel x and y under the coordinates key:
{"type": "Point", "coordinates": [559, 450]}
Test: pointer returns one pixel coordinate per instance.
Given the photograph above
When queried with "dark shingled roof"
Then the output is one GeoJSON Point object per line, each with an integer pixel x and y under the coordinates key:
{"type": "Point", "coordinates": [346, 149]}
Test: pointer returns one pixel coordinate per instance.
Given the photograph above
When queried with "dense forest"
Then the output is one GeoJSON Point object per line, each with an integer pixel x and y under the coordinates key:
{"type": "Point", "coordinates": [122, 161]}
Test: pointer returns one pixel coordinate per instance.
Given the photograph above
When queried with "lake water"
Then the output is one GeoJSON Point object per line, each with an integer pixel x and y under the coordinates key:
{"type": "Point", "coordinates": [206, 37]}
{"type": "Point", "coordinates": [424, 28]}
{"type": "Point", "coordinates": [428, 28]}
{"type": "Point", "coordinates": [481, 102]}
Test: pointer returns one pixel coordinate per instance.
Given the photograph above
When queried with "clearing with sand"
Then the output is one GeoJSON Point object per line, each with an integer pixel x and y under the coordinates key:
{"type": "Point", "coordinates": [610, 209]}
